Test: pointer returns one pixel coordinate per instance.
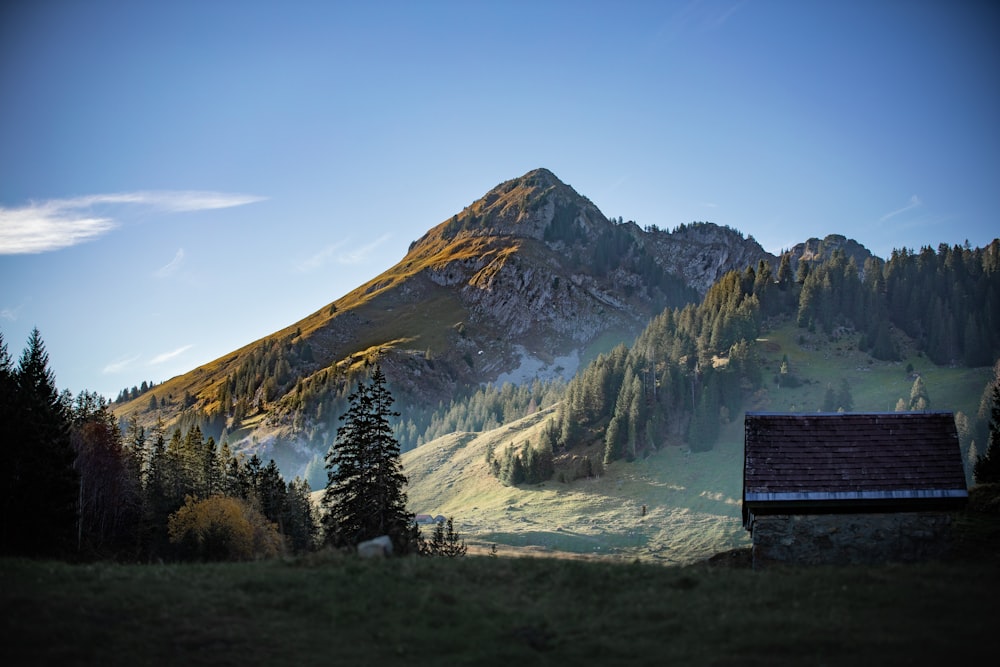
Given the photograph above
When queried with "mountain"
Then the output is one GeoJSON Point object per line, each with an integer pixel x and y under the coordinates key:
{"type": "Point", "coordinates": [524, 283]}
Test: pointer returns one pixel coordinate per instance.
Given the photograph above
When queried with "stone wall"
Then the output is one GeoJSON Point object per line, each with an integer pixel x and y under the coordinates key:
{"type": "Point", "coordinates": [846, 539]}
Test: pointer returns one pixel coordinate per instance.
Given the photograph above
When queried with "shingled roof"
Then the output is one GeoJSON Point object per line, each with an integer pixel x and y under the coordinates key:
{"type": "Point", "coordinates": [850, 462]}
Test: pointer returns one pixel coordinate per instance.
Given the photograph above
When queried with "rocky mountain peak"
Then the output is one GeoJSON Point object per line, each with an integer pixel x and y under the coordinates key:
{"type": "Point", "coordinates": [536, 206]}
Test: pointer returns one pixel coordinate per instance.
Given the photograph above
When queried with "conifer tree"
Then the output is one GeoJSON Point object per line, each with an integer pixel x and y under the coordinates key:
{"type": "Point", "coordinates": [987, 467]}
{"type": "Point", "coordinates": [38, 516]}
{"type": "Point", "coordinates": [365, 495]}
{"type": "Point", "coordinates": [445, 541]}
{"type": "Point", "coordinates": [919, 401]}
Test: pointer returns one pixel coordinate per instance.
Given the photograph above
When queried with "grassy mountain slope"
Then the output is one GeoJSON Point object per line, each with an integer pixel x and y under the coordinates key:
{"type": "Point", "coordinates": [530, 276]}
{"type": "Point", "coordinates": [692, 499]}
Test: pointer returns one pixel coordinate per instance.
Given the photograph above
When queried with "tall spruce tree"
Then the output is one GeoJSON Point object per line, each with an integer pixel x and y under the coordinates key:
{"type": "Point", "coordinates": [987, 467]}
{"type": "Point", "coordinates": [365, 495]}
{"type": "Point", "coordinates": [40, 484]}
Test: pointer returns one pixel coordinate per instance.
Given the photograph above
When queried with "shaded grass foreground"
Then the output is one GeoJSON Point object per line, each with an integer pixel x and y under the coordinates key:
{"type": "Point", "coordinates": [336, 610]}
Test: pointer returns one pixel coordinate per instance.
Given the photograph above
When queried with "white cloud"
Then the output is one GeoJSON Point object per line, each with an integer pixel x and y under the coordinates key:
{"type": "Point", "coordinates": [60, 223]}
{"type": "Point", "coordinates": [914, 203]}
{"type": "Point", "coordinates": [119, 365]}
{"type": "Point", "coordinates": [172, 266]}
{"type": "Point", "coordinates": [167, 356]}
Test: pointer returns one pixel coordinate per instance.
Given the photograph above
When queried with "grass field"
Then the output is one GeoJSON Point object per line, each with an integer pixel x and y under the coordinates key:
{"type": "Point", "coordinates": [332, 609]}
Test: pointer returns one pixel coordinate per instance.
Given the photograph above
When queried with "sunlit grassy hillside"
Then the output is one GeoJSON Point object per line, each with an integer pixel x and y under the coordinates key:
{"type": "Point", "coordinates": [692, 500]}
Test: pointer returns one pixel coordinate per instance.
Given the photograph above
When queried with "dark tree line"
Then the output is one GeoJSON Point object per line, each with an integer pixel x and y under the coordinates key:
{"type": "Point", "coordinates": [948, 301]}
{"type": "Point", "coordinates": [78, 486]}
{"type": "Point", "coordinates": [135, 392]}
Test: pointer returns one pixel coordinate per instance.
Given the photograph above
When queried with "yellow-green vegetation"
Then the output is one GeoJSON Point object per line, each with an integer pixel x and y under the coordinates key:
{"type": "Point", "coordinates": [338, 610]}
{"type": "Point", "coordinates": [223, 528]}
{"type": "Point", "coordinates": [691, 500]}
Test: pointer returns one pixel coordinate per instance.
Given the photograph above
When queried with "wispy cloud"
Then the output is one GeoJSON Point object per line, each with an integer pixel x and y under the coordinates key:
{"type": "Point", "coordinates": [167, 356]}
{"type": "Point", "coordinates": [10, 314]}
{"type": "Point", "coordinates": [359, 255]}
{"type": "Point", "coordinates": [914, 203]}
{"type": "Point", "coordinates": [119, 365]}
{"type": "Point", "coordinates": [61, 223]}
{"type": "Point", "coordinates": [723, 14]}
{"type": "Point", "coordinates": [172, 266]}
{"type": "Point", "coordinates": [342, 252]}
{"type": "Point", "coordinates": [696, 18]}
{"type": "Point", "coordinates": [319, 259]}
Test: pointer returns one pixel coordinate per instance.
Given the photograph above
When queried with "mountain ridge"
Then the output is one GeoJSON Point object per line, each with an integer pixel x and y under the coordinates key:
{"type": "Point", "coordinates": [528, 280]}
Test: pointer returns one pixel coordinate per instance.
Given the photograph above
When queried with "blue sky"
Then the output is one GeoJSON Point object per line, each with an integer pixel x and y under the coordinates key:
{"type": "Point", "coordinates": [179, 179]}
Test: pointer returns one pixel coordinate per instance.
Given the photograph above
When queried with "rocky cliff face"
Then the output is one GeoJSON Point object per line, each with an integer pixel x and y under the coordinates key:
{"type": "Point", "coordinates": [702, 252]}
{"type": "Point", "coordinates": [819, 249]}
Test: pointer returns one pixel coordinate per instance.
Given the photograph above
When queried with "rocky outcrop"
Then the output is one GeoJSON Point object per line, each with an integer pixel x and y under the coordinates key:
{"type": "Point", "coordinates": [703, 252]}
{"type": "Point", "coordinates": [815, 250]}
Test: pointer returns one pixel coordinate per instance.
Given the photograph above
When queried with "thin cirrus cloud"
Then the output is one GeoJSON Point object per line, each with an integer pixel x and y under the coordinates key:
{"type": "Point", "coordinates": [319, 259]}
{"type": "Point", "coordinates": [60, 223]}
{"type": "Point", "coordinates": [359, 255]}
{"type": "Point", "coordinates": [119, 365]}
{"type": "Point", "coordinates": [125, 363]}
{"type": "Point", "coordinates": [172, 267]}
{"type": "Point", "coordinates": [167, 356]}
{"type": "Point", "coordinates": [913, 203]}
{"type": "Point", "coordinates": [333, 253]}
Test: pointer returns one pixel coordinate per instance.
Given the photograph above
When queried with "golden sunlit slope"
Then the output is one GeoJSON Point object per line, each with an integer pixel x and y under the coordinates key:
{"type": "Point", "coordinates": [470, 295]}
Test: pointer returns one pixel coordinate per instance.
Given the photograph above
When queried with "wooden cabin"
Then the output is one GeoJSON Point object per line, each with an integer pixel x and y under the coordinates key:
{"type": "Point", "coordinates": [841, 488]}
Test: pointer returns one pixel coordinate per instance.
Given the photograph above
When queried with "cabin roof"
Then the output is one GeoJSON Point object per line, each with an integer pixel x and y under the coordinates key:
{"type": "Point", "coordinates": [831, 460]}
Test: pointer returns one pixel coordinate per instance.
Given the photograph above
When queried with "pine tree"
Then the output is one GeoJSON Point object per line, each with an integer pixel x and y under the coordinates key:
{"type": "Point", "coordinates": [365, 495]}
{"type": "Point", "coordinates": [919, 400]}
{"type": "Point", "coordinates": [298, 518]}
{"type": "Point", "coordinates": [987, 468]}
{"type": "Point", "coordinates": [445, 541]}
{"type": "Point", "coordinates": [38, 516]}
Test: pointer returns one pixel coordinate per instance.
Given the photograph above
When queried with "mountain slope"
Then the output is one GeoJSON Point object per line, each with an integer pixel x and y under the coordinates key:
{"type": "Point", "coordinates": [525, 282]}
